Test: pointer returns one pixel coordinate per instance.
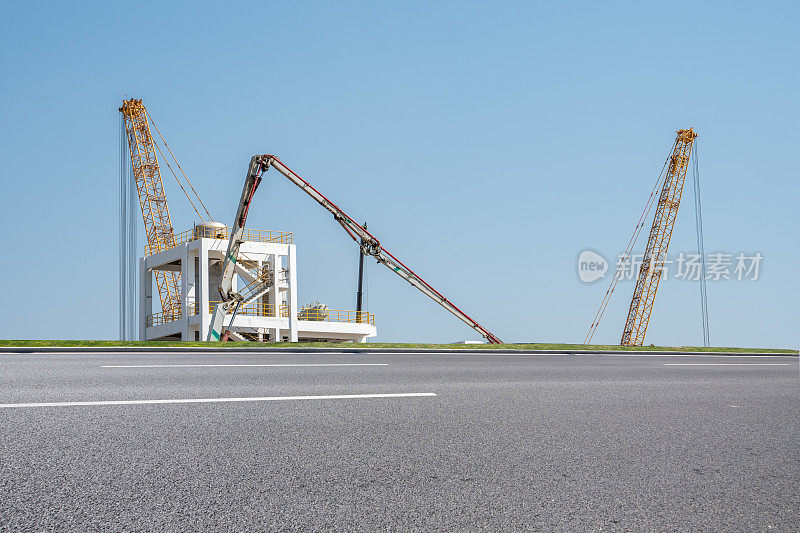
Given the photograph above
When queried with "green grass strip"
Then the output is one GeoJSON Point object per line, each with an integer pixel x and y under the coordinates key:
{"type": "Point", "coordinates": [424, 346]}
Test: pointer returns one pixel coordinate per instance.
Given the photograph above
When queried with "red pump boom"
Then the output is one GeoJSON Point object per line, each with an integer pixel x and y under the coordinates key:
{"type": "Point", "coordinates": [369, 244]}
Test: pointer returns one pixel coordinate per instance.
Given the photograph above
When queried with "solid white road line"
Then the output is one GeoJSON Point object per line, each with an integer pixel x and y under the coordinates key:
{"type": "Point", "coordinates": [245, 365]}
{"type": "Point", "coordinates": [219, 400]}
{"type": "Point", "coordinates": [729, 364]}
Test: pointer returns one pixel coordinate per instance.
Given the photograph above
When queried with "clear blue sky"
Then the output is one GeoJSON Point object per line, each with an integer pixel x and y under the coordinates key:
{"type": "Point", "coordinates": [486, 144]}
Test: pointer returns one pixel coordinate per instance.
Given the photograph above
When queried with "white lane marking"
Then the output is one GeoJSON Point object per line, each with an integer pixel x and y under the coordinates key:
{"type": "Point", "coordinates": [245, 365]}
{"type": "Point", "coordinates": [218, 400]}
{"type": "Point", "coordinates": [728, 364]}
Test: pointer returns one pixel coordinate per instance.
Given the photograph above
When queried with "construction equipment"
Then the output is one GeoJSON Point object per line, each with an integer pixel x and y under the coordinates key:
{"type": "Point", "coordinates": [652, 266]}
{"type": "Point", "coordinates": [369, 245]}
{"type": "Point", "coordinates": [360, 291]}
{"type": "Point", "coordinates": [157, 222]}
{"type": "Point", "coordinates": [229, 296]}
{"type": "Point", "coordinates": [655, 254]}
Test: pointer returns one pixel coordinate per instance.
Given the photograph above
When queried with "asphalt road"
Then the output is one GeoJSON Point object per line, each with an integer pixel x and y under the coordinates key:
{"type": "Point", "coordinates": [498, 442]}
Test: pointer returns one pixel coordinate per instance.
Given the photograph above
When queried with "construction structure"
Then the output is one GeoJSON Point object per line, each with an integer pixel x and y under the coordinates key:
{"type": "Point", "coordinates": [273, 316]}
{"type": "Point", "coordinates": [655, 255]}
{"type": "Point", "coordinates": [186, 267]}
{"type": "Point", "coordinates": [369, 244]}
{"type": "Point", "coordinates": [198, 273]}
{"type": "Point", "coordinates": [152, 200]}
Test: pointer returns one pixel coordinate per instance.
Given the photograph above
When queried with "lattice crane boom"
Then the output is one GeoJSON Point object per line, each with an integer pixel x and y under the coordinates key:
{"type": "Point", "coordinates": [153, 201]}
{"type": "Point", "coordinates": [655, 254]}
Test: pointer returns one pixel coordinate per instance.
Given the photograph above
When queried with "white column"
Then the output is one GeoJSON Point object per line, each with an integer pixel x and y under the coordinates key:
{"type": "Point", "coordinates": [145, 297]}
{"type": "Point", "coordinates": [291, 266]}
{"type": "Point", "coordinates": [205, 316]}
{"type": "Point", "coordinates": [261, 299]}
{"type": "Point", "coordinates": [187, 298]}
{"type": "Point", "coordinates": [191, 273]}
{"type": "Point", "coordinates": [275, 293]}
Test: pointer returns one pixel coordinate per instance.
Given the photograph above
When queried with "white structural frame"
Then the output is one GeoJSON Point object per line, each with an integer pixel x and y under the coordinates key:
{"type": "Point", "coordinates": [193, 260]}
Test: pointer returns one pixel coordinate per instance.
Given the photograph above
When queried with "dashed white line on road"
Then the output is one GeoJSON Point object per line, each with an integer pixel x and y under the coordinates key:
{"type": "Point", "coordinates": [729, 364]}
{"type": "Point", "coordinates": [245, 365]}
{"type": "Point", "coordinates": [218, 400]}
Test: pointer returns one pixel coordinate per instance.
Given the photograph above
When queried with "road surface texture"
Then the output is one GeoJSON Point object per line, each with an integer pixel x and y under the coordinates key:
{"type": "Point", "coordinates": [461, 442]}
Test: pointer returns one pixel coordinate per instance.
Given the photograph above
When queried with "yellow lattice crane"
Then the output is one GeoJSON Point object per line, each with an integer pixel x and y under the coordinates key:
{"type": "Point", "coordinates": [655, 254]}
{"type": "Point", "coordinates": [157, 222]}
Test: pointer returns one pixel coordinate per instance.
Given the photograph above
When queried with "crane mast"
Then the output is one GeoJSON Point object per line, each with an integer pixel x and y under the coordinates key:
{"type": "Point", "coordinates": [655, 254]}
{"type": "Point", "coordinates": [369, 245]}
{"type": "Point", "coordinates": [153, 201]}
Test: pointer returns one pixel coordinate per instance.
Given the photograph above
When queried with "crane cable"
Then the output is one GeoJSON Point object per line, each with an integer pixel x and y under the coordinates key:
{"type": "Point", "coordinates": [627, 254]}
{"type": "Point", "coordinates": [150, 118]}
{"type": "Point", "coordinates": [179, 182]}
{"type": "Point", "coordinates": [701, 250]}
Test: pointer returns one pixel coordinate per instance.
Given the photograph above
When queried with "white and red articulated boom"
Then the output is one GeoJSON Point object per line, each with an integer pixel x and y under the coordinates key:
{"type": "Point", "coordinates": [369, 244]}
